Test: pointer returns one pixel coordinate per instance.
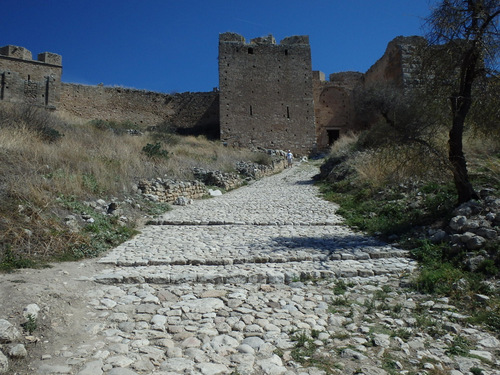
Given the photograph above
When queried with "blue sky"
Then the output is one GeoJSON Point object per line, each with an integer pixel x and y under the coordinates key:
{"type": "Point", "coordinates": [171, 46]}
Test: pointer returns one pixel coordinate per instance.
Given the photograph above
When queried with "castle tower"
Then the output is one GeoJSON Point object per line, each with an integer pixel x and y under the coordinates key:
{"type": "Point", "coordinates": [266, 93]}
{"type": "Point", "coordinates": [24, 80]}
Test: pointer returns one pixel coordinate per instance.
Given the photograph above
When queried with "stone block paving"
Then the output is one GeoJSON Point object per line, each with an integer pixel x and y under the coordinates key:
{"type": "Point", "coordinates": [264, 280]}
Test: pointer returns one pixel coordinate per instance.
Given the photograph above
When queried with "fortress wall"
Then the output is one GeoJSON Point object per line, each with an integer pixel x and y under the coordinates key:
{"type": "Point", "coordinates": [399, 63]}
{"type": "Point", "coordinates": [334, 105]}
{"type": "Point", "coordinates": [266, 96]}
{"type": "Point", "coordinates": [24, 80]}
{"type": "Point", "coordinates": [147, 108]}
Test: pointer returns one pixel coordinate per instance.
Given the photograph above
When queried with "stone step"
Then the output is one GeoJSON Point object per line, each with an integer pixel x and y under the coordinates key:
{"type": "Point", "coordinates": [191, 222]}
{"type": "Point", "coordinates": [246, 244]}
{"type": "Point", "coordinates": [188, 260]}
{"type": "Point", "coordinates": [269, 273]}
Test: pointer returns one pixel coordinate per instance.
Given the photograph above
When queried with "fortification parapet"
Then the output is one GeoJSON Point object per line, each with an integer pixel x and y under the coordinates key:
{"type": "Point", "coordinates": [16, 52]}
{"type": "Point", "coordinates": [50, 58]}
{"type": "Point", "coordinates": [24, 80]}
{"type": "Point", "coordinates": [295, 39]}
{"type": "Point", "coordinates": [231, 37]}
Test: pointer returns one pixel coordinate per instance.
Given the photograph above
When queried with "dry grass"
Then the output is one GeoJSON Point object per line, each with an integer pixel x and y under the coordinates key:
{"type": "Point", "coordinates": [85, 163]}
{"type": "Point", "coordinates": [344, 145]}
{"type": "Point", "coordinates": [396, 164]}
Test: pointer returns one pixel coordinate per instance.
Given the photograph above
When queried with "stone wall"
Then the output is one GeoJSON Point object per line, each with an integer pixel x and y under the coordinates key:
{"type": "Point", "coordinates": [168, 191]}
{"type": "Point", "coordinates": [187, 110]}
{"type": "Point", "coordinates": [399, 63]}
{"type": "Point", "coordinates": [24, 80]}
{"type": "Point", "coordinates": [266, 95]}
{"type": "Point", "coordinates": [334, 106]}
{"type": "Point", "coordinates": [269, 97]}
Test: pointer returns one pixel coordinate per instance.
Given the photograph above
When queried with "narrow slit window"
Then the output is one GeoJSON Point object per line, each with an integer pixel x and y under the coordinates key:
{"type": "Point", "coordinates": [287, 112]}
{"type": "Point", "coordinates": [251, 111]}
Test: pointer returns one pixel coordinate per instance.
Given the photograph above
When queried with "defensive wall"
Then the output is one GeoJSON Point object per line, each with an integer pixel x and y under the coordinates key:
{"type": "Point", "coordinates": [195, 111]}
{"type": "Point", "coordinates": [334, 108]}
{"type": "Point", "coordinates": [266, 96]}
{"type": "Point", "coordinates": [399, 64]}
{"type": "Point", "coordinates": [24, 80]}
{"type": "Point", "coordinates": [269, 96]}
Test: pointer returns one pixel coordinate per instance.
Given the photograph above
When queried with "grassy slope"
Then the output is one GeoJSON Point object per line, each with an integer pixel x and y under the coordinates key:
{"type": "Point", "coordinates": [402, 206]}
{"type": "Point", "coordinates": [49, 169]}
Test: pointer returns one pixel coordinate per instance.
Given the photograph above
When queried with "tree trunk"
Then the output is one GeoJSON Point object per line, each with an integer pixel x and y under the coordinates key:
{"type": "Point", "coordinates": [460, 106]}
{"type": "Point", "coordinates": [456, 155]}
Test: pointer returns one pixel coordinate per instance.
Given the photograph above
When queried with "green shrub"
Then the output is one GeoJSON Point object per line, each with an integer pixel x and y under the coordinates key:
{"type": "Point", "coordinates": [155, 151]}
{"type": "Point", "coordinates": [263, 159]}
{"type": "Point", "coordinates": [438, 279]}
{"type": "Point", "coordinates": [459, 346]}
{"type": "Point", "coordinates": [9, 261]}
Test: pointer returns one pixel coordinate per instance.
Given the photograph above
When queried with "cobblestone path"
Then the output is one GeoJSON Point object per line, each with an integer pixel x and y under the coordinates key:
{"type": "Point", "coordinates": [262, 280]}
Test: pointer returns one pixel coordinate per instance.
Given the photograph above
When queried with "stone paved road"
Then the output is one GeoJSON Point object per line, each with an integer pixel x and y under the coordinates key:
{"type": "Point", "coordinates": [245, 283]}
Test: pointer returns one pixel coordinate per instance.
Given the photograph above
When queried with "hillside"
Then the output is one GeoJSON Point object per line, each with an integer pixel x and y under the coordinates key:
{"type": "Point", "coordinates": [71, 190]}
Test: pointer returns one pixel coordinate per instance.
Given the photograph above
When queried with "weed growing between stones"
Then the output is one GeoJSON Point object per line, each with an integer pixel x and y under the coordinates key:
{"type": "Point", "coordinates": [100, 233]}
{"type": "Point", "coordinates": [305, 352]}
{"type": "Point", "coordinates": [30, 325]}
{"type": "Point", "coordinates": [404, 213]}
{"type": "Point", "coordinates": [459, 346]}
{"type": "Point", "coordinates": [340, 287]}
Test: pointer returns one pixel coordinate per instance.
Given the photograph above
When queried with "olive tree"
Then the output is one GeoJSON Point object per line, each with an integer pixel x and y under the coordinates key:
{"type": "Point", "coordinates": [464, 38]}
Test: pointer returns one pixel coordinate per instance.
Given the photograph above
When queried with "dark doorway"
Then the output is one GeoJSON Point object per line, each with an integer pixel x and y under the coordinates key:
{"type": "Point", "coordinates": [333, 135]}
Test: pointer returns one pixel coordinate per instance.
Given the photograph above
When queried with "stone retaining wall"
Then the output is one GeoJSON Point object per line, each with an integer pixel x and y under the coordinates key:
{"type": "Point", "coordinates": [169, 191]}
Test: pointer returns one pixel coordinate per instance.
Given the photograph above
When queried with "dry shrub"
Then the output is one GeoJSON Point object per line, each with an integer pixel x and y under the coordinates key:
{"type": "Point", "coordinates": [344, 145]}
{"type": "Point", "coordinates": [398, 164]}
{"type": "Point", "coordinates": [478, 144]}
{"type": "Point", "coordinates": [85, 163]}
{"type": "Point", "coordinates": [199, 152]}
{"type": "Point", "coordinates": [482, 153]}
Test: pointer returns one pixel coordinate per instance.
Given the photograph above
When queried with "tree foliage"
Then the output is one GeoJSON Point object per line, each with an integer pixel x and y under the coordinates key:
{"type": "Point", "coordinates": [465, 37]}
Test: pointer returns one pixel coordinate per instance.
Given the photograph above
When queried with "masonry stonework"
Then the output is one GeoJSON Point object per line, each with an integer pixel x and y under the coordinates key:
{"type": "Point", "coordinates": [269, 96]}
{"type": "Point", "coordinates": [334, 106]}
{"type": "Point", "coordinates": [24, 80]}
{"type": "Point", "coordinates": [184, 111]}
{"type": "Point", "coordinates": [266, 93]}
{"type": "Point", "coordinates": [399, 64]}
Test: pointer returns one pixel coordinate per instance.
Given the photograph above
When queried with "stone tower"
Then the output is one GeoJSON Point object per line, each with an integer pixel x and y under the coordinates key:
{"type": "Point", "coordinates": [266, 93]}
{"type": "Point", "coordinates": [24, 80]}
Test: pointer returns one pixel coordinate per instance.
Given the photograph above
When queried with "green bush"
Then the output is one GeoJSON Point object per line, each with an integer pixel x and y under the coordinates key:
{"type": "Point", "coordinates": [438, 279]}
{"type": "Point", "coordinates": [155, 151]}
{"type": "Point", "coordinates": [9, 261]}
{"type": "Point", "coordinates": [263, 159]}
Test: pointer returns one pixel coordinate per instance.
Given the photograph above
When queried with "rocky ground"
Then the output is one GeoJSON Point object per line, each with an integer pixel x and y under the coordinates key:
{"type": "Point", "coordinates": [262, 280]}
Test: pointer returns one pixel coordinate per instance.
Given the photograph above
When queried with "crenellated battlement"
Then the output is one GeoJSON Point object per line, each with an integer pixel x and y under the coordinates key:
{"type": "Point", "coordinates": [22, 53]}
{"type": "Point", "coordinates": [268, 95]}
{"type": "Point", "coordinates": [24, 80]}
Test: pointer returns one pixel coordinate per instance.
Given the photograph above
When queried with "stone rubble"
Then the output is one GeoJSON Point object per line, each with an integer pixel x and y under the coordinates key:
{"type": "Point", "coordinates": [265, 280]}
